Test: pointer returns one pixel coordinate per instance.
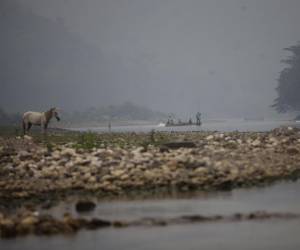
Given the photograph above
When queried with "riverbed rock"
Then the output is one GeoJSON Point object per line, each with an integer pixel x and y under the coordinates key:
{"type": "Point", "coordinates": [69, 152]}
{"type": "Point", "coordinates": [29, 221]}
{"type": "Point", "coordinates": [292, 150]}
{"type": "Point", "coordinates": [210, 137]}
{"type": "Point", "coordinates": [7, 228]}
{"type": "Point", "coordinates": [256, 143]}
{"type": "Point", "coordinates": [24, 155]}
{"type": "Point", "coordinates": [177, 145]}
{"type": "Point", "coordinates": [85, 206]}
{"type": "Point", "coordinates": [27, 137]}
{"type": "Point", "coordinates": [118, 172]}
{"type": "Point", "coordinates": [97, 223]}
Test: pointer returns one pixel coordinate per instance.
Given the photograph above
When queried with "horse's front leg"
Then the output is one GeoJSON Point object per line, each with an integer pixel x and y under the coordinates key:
{"type": "Point", "coordinates": [29, 126]}
{"type": "Point", "coordinates": [43, 128]}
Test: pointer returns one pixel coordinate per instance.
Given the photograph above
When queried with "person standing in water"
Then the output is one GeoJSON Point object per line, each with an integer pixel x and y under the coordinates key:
{"type": "Point", "coordinates": [198, 119]}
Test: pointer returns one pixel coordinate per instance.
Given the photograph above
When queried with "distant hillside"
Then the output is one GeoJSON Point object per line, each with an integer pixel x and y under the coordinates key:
{"type": "Point", "coordinates": [43, 55]}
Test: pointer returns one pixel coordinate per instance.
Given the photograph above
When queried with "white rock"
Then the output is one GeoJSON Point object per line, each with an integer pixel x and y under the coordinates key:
{"type": "Point", "coordinates": [200, 170]}
{"type": "Point", "coordinates": [256, 143]}
{"type": "Point", "coordinates": [56, 155]}
{"type": "Point", "coordinates": [68, 152]}
{"type": "Point", "coordinates": [124, 177]}
{"type": "Point", "coordinates": [117, 172]}
{"type": "Point", "coordinates": [27, 137]}
{"type": "Point", "coordinates": [210, 137]}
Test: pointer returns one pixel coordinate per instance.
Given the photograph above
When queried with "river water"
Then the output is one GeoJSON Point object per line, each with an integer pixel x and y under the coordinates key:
{"type": "Point", "coordinates": [222, 125]}
{"type": "Point", "coordinates": [269, 234]}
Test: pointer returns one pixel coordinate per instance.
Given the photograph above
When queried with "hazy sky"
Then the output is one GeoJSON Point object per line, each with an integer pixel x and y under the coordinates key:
{"type": "Point", "coordinates": [221, 57]}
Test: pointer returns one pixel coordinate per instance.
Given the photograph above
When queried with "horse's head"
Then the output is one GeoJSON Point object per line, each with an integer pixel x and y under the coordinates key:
{"type": "Point", "coordinates": [54, 112]}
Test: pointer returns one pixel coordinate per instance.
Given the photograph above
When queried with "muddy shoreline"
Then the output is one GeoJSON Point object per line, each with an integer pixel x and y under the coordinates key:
{"type": "Point", "coordinates": [37, 172]}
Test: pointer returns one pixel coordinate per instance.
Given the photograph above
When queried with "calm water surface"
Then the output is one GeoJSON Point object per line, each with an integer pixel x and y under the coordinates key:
{"type": "Point", "coordinates": [271, 234]}
{"type": "Point", "coordinates": [224, 126]}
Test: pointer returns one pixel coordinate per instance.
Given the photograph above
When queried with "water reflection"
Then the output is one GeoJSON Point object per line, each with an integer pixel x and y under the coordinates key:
{"type": "Point", "coordinates": [282, 197]}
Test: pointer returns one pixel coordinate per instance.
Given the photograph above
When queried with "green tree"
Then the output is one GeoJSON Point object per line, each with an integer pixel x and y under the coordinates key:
{"type": "Point", "coordinates": [289, 83]}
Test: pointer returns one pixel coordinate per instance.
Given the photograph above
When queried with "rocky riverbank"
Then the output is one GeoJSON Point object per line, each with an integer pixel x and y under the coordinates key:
{"type": "Point", "coordinates": [34, 173]}
{"type": "Point", "coordinates": [211, 161]}
{"type": "Point", "coordinates": [28, 222]}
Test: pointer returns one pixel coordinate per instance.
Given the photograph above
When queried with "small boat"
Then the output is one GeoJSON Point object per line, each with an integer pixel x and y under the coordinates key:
{"type": "Point", "coordinates": [171, 123]}
{"type": "Point", "coordinates": [181, 124]}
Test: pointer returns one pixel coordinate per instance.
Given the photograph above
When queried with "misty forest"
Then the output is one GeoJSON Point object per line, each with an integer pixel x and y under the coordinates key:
{"type": "Point", "coordinates": [140, 125]}
{"type": "Point", "coordinates": [289, 83]}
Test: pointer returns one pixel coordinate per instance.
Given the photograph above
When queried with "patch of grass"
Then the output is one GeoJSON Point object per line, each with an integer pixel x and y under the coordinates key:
{"type": "Point", "coordinates": [49, 146]}
{"type": "Point", "coordinates": [89, 140]}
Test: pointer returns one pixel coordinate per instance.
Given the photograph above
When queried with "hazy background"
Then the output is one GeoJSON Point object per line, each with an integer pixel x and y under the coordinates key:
{"type": "Point", "coordinates": [220, 57]}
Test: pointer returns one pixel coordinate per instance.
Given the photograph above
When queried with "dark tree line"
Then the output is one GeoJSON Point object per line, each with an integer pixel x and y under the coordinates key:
{"type": "Point", "coordinates": [289, 83]}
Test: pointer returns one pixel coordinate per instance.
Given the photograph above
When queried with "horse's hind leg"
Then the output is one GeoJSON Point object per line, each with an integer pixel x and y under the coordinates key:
{"type": "Point", "coordinates": [45, 129]}
{"type": "Point", "coordinates": [26, 127]}
{"type": "Point", "coordinates": [29, 126]}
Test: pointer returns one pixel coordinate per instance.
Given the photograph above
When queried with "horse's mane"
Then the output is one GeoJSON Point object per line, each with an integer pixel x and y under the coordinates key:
{"type": "Point", "coordinates": [49, 113]}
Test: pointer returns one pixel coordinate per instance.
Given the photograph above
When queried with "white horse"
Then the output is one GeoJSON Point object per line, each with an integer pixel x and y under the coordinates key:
{"type": "Point", "coordinates": [39, 118]}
